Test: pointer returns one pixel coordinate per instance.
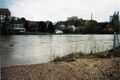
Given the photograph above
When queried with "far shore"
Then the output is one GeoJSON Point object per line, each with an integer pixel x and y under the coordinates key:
{"type": "Point", "coordinates": [39, 33]}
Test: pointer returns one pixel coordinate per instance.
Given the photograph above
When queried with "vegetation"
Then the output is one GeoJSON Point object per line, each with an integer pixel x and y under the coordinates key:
{"type": "Point", "coordinates": [73, 25]}
{"type": "Point", "coordinates": [115, 22]}
{"type": "Point", "coordinates": [5, 25]}
{"type": "Point", "coordinates": [75, 56]}
{"type": "Point", "coordinates": [91, 26]}
{"type": "Point", "coordinates": [83, 69]}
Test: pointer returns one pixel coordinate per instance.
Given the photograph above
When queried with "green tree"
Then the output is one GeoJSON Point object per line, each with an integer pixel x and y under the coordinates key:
{"type": "Point", "coordinates": [108, 29]}
{"type": "Point", "coordinates": [42, 27]}
{"type": "Point", "coordinates": [5, 26]}
{"type": "Point", "coordinates": [25, 24]}
{"type": "Point", "coordinates": [115, 22]}
{"type": "Point", "coordinates": [90, 26]}
{"type": "Point", "coordinates": [51, 28]}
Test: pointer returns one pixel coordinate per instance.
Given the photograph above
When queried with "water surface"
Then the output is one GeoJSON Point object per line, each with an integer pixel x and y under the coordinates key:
{"type": "Point", "coordinates": [34, 49]}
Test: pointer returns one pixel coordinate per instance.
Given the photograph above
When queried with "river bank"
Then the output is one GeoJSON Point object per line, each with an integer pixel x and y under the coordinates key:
{"type": "Point", "coordinates": [81, 69]}
{"type": "Point", "coordinates": [74, 56]}
{"type": "Point", "coordinates": [41, 33]}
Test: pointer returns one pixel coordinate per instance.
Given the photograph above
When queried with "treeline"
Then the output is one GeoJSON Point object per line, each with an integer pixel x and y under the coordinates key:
{"type": "Point", "coordinates": [30, 26]}
{"type": "Point", "coordinates": [73, 25]}
{"type": "Point", "coordinates": [90, 26]}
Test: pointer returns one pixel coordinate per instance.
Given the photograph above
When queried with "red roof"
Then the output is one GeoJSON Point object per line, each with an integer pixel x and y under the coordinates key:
{"type": "Point", "coordinates": [4, 10]}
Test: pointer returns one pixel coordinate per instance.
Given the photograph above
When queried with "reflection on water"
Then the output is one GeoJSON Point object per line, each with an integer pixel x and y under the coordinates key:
{"type": "Point", "coordinates": [32, 49]}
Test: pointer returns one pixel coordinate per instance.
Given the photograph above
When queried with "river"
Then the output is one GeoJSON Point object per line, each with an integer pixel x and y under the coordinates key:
{"type": "Point", "coordinates": [34, 49]}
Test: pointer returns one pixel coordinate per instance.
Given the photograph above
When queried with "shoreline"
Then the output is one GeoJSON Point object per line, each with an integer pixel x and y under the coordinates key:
{"type": "Point", "coordinates": [106, 68]}
{"type": "Point", "coordinates": [97, 68]}
{"type": "Point", "coordinates": [38, 33]}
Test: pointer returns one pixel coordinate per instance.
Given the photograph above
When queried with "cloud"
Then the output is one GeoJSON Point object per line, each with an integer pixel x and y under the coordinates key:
{"type": "Point", "coordinates": [56, 10]}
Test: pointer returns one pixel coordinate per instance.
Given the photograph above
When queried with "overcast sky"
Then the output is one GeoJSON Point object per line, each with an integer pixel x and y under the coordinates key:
{"type": "Point", "coordinates": [56, 10]}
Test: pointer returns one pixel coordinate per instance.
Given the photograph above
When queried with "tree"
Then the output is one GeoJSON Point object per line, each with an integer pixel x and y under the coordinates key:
{"type": "Point", "coordinates": [22, 20]}
{"type": "Point", "coordinates": [108, 29]}
{"type": "Point", "coordinates": [115, 22]}
{"type": "Point", "coordinates": [51, 28]}
{"type": "Point", "coordinates": [5, 26]}
{"type": "Point", "coordinates": [90, 26]}
{"type": "Point", "coordinates": [26, 26]}
{"type": "Point", "coordinates": [42, 27]}
{"type": "Point", "coordinates": [13, 20]}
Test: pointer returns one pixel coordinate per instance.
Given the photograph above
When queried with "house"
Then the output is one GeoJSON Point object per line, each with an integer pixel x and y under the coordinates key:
{"type": "Point", "coordinates": [58, 32]}
{"type": "Point", "coordinates": [60, 25]}
{"type": "Point", "coordinates": [71, 28]}
{"type": "Point", "coordinates": [4, 13]}
{"type": "Point", "coordinates": [74, 18]}
{"type": "Point", "coordinates": [17, 28]}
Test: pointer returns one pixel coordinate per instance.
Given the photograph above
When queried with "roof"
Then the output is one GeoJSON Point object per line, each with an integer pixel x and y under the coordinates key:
{"type": "Point", "coordinates": [4, 10]}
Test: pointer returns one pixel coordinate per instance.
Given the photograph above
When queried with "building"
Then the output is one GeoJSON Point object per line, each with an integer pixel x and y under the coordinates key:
{"type": "Point", "coordinates": [71, 28]}
{"type": "Point", "coordinates": [73, 18]}
{"type": "Point", "coordinates": [17, 28]}
{"type": "Point", "coordinates": [33, 26]}
{"type": "Point", "coordinates": [58, 32]}
{"type": "Point", "coordinates": [60, 25]}
{"type": "Point", "coordinates": [3, 14]}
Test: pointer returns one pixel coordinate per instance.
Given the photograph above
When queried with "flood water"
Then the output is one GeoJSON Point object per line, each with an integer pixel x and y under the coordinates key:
{"type": "Point", "coordinates": [34, 49]}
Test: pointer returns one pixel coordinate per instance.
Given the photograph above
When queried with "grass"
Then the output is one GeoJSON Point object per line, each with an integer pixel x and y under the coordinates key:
{"type": "Point", "coordinates": [75, 56]}
{"type": "Point", "coordinates": [78, 55]}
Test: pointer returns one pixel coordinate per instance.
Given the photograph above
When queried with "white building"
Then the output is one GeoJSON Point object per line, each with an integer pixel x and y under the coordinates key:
{"type": "Point", "coordinates": [58, 31]}
{"type": "Point", "coordinates": [18, 28]}
{"type": "Point", "coordinates": [71, 27]}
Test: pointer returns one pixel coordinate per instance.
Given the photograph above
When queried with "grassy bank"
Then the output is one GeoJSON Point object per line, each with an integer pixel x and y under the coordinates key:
{"type": "Point", "coordinates": [75, 66]}
{"type": "Point", "coordinates": [75, 56]}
